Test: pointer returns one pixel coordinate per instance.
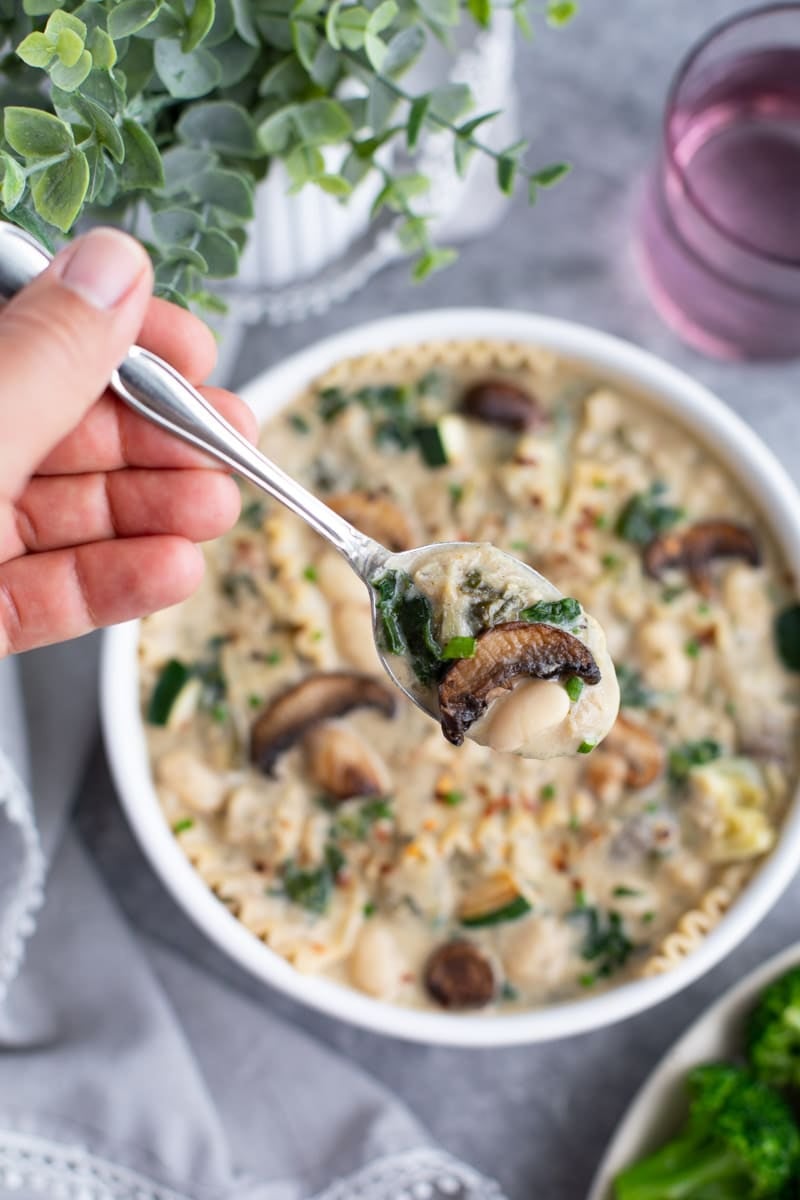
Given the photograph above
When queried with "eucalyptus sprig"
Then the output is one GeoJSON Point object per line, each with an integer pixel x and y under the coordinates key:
{"type": "Point", "coordinates": [164, 115]}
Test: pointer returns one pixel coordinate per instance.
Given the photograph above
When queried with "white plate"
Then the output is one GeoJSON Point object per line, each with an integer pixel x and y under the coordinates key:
{"type": "Point", "coordinates": [660, 1104]}
{"type": "Point", "coordinates": [615, 361]}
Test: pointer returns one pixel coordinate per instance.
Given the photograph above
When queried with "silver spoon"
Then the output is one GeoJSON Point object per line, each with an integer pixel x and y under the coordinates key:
{"type": "Point", "coordinates": [158, 392]}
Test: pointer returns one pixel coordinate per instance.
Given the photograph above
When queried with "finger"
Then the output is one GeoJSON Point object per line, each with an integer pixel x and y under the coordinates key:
{"type": "Point", "coordinates": [68, 510]}
{"type": "Point", "coordinates": [60, 339]}
{"type": "Point", "coordinates": [179, 337]}
{"type": "Point", "coordinates": [51, 597]}
{"type": "Point", "coordinates": [113, 436]}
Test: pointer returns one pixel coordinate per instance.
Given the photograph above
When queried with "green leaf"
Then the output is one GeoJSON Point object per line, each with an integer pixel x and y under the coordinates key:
{"type": "Point", "coordinates": [521, 19]}
{"type": "Point", "coordinates": [12, 187]}
{"type": "Point", "coordinates": [285, 81]}
{"type": "Point", "coordinates": [142, 167]}
{"type": "Point", "coordinates": [222, 126]}
{"type": "Point", "coordinates": [462, 153]}
{"type": "Point", "coordinates": [36, 134]}
{"type": "Point", "coordinates": [102, 49]}
{"type": "Point", "coordinates": [334, 185]}
{"type": "Point", "coordinates": [245, 25]}
{"type": "Point", "coordinates": [375, 50]}
{"type": "Point", "coordinates": [182, 164]}
{"type": "Point", "coordinates": [70, 78]}
{"type": "Point", "coordinates": [220, 252]}
{"type": "Point", "coordinates": [137, 64]}
{"type": "Point", "coordinates": [130, 16]}
{"type": "Point", "coordinates": [186, 76]}
{"type": "Point", "coordinates": [276, 132]}
{"type": "Point", "coordinates": [173, 225]}
{"type": "Point", "coordinates": [481, 12]}
{"type": "Point", "coordinates": [36, 50]}
{"type": "Point", "coordinates": [103, 124]}
{"type": "Point", "coordinates": [64, 22]}
{"type": "Point", "coordinates": [351, 26]}
{"type": "Point", "coordinates": [188, 256]}
{"type": "Point", "coordinates": [413, 234]}
{"type": "Point", "coordinates": [330, 24]}
{"type": "Point", "coordinates": [235, 61]}
{"type": "Point", "coordinates": [69, 47]}
{"type": "Point", "coordinates": [304, 165]}
{"type": "Point", "coordinates": [326, 68]}
{"type": "Point", "coordinates": [451, 100]}
{"type": "Point", "coordinates": [97, 172]}
{"type": "Point", "coordinates": [416, 119]}
{"type": "Point", "coordinates": [431, 261]}
{"type": "Point", "coordinates": [59, 191]}
{"type": "Point", "coordinates": [209, 302]}
{"type": "Point", "coordinates": [382, 16]}
{"type": "Point", "coordinates": [198, 25]}
{"type": "Point", "coordinates": [404, 48]}
{"type": "Point", "coordinates": [32, 223]}
{"type": "Point", "coordinates": [381, 103]}
{"type": "Point", "coordinates": [305, 40]}
{"type": "Point", "coordinates": [469, 127]}
{"type": "Point", "coordinates": [226, 190]}
{"type": "Point", "coordinates": [507, 165]}
{"type": "Point", "coordinates": [441, 12]}
{"type": "Point", "coordinates": [548, 176]}
{"type": "Point", "coordinates": [321, 122]}
{"type": "Point", "coordinates": [559, 12]}
{"type": "Point", "coordinates": [38, 8]}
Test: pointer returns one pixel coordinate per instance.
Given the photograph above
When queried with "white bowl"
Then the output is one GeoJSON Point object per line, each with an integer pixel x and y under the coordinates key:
{"type": "Point", "coordinates": [660, 385]}
{"type": "Point", "coordinates": [657, 1109]}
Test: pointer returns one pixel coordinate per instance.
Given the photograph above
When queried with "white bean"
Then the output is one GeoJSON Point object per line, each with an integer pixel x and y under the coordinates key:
{"type": "Point", "coordinates": [376, 964]}
{"type": "Point", "coordinates": [533, 705]}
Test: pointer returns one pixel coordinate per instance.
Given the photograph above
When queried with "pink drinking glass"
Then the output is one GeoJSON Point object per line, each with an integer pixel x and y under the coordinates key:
{"type": "Point", "coordinates": [720, 228]}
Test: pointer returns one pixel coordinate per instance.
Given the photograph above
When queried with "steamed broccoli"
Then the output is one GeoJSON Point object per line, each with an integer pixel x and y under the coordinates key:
{"type": "Point", "coordinates": [740, 1140]}
{"type": "Point", "coordinates": [773, 1032]}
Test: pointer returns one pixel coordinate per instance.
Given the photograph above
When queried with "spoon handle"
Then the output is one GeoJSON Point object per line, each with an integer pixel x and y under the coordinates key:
{"type": "Point", "coordinates": [158, 392]}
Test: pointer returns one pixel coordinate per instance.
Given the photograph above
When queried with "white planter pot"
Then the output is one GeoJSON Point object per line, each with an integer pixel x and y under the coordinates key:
{"type": "Point", "coordinates": [308, 251]}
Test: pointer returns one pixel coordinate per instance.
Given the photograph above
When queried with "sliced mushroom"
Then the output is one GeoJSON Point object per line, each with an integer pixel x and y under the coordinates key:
{"type": "Point", "coordinates": [694, 549]}
{"type": "Point", "coordinates": [457, 976]}
{"type": "Point", "coordinates": [321, 697]}
{"type": "Point", "coordinates": [375, 515]}
{"type": "Point", "coordinates": [643, 753]}
{"type": "Point", "coordinates": [498, 402]}
{"type": "Point", "coordinates": [343, 765]}
{"type": "Point", "coordinates": [492, 900]}
{"type": "Point", "coordinates": [501, 655]}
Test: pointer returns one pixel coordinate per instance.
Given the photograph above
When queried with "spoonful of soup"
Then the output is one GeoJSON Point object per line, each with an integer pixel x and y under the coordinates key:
{"type": "Point", "coordinates": [478, 640]}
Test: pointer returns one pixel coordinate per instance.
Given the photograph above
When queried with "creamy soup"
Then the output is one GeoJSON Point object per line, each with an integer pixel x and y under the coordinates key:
{"type": "Point", "coordinates": [332, 816]}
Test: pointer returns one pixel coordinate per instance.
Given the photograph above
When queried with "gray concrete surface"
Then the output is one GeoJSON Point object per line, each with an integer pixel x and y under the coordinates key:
{"type": "Point", "coordinates": [537, 1119]}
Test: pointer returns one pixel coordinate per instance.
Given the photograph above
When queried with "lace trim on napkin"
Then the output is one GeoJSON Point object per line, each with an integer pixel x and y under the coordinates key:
{"type": "Point", "coordinates": [27, 894]}
{"type": "Point", "coordinates": [424, 1174]}
{"type": "Point", "coordinates": [67, 1172]}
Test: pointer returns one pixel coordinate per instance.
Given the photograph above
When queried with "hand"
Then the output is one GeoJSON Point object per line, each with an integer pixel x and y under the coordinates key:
{"type": "Point", "coordinates": [99, 510]}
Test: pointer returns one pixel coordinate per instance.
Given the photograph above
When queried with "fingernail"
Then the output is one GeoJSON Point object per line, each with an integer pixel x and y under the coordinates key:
{"type": "Point", "coordinates": [102, 267]}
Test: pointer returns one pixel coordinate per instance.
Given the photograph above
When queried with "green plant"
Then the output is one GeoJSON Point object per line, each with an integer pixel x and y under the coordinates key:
{"type": "Point", "coordinates": [773, 1033]}
{"type": "Point", "coordinates": [176, 108]}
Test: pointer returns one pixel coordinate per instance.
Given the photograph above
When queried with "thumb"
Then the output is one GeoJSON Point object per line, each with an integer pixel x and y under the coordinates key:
{"type": "Point", "coordinates": [60, 340]}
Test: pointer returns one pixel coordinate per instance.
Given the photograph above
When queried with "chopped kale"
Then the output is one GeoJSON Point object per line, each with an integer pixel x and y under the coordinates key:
{"type": "Point", "coordinates": [407, 624]}
{"type": "Point", "coordinates": [633, 692]}
{"type": "Point", "coordinates": [645, 516]}
{"type": "Point", "coordinates": [235, 584]}
{"type": "Point", "coordinates": [787, 636]}
{"type": "Point", "coordinates": [299, 423]}
{"type": "Point", "coordinates": [691, 754]}
{"type": "Point", "coordinates": [566, 612]}
{"type": "Point", "coordinates": [253, 514]}
{"type": "Point", "coordinates": [605, 943]}
{"type": "Point", "coordinates": [312, 889]}
{"type": "Point", "coordinates": [356, 825]}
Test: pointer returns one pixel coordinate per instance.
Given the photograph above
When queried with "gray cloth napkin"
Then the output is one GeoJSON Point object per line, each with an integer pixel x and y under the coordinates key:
{"type": "Point", "coordinates": [127, 1074]}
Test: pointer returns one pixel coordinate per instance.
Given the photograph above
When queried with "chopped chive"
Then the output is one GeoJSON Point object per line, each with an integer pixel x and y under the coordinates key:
{"type": "Point", "coordinates": [369, 909]}
{"type": "Point", "coordinates": [573, 687]}
{"type": "Point", "coordinates": [456, 492]}
{"type": "Point", "coordinates": [182, 825]}
{"type": "Point", "coordinates": [587, 981]}
{"type": "Point", "coordinates": [588, 746]}
{"type": "Point", "coordinates": [520, 546]}
{"type": "Point", "coordinates": [508, 991]}
{"type": "Point", "coordinates": [730, 708]}
{"type": "Point", "coordinates": [452, 799]}
{"type": "Point", "coordinates": [648, 917]}
{"type": "Point", "coordinates": [704, 608]}
{"type": "Point", "coordinates": [671, 593]}
{"type": "Point", "coordinates": [255, 701]}
{"type": "Point", "coordinates": [580, 898]}
{"type": "Point", "coordinates": [610, 561]}
{"type": "Point", "coordinates": [220, 712]}
{"type": "Point", "coordinates": [600, 484]}
{"type": "Point", "coordinates": [574, 825]}
{"type": "Point", "coordinates": [253, 514]}
{"type": "Point", "coordinates": [692, 648]}
{"type": "Point", "coordinates": [459, 647]}
{"type": "Point", "coordinates": [311, 573]}
{"type": "Point", "coordinates": [317, 635]}
{"type": "Point", "coordinates": [272, 657]}
{"type": "Point", "coordinates": [601, 521]}
{"type": "Point", "coordinates": [548, 791]}
{"type": "Point", "coordinates": [626, 891]}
